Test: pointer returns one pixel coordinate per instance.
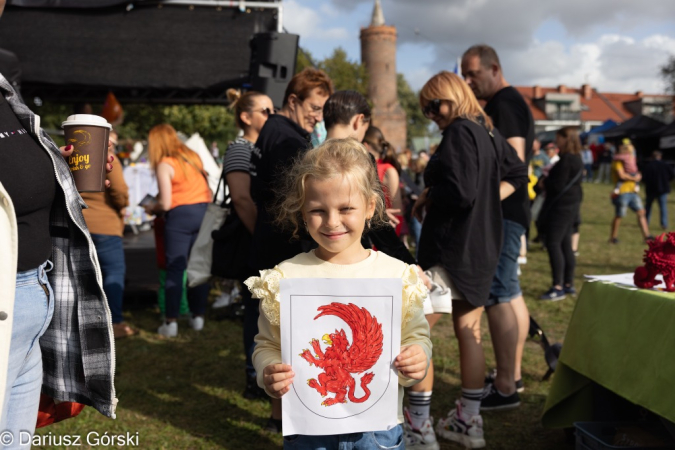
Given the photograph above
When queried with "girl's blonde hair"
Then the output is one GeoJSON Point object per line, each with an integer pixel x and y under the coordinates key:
{"type": "Point", "coordinates": [163, 142]}
{"type": "Point", "coordinates": [334, 158]}
{"type": "Point", "coordinates": [449, 86]}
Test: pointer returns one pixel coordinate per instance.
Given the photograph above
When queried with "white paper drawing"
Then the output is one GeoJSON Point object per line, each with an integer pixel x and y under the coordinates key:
{"type": "Point", "coordinates": [341, 337]}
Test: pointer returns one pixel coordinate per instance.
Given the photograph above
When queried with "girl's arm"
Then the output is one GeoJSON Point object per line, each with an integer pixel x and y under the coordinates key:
{"type": "Point", "coordinates": [165, 174]}
{"type": "Point", "coordinates": [240, 191]}
{"type": "Point", "coordinates": [267, 355]}
{"type": "Point", "coordinates": [391, 183]}
{"type": "Point", "coordinates": [415, 333]}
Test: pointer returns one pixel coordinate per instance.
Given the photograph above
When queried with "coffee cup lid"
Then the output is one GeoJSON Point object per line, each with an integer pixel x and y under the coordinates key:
{"type": "Point", "coordinates": [86, 119]}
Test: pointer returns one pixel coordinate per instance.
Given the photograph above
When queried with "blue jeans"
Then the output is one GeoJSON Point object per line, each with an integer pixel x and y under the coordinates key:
{"type": "Point", "coordinates": [663, 208]}
{"type": "Point", "coordinates": [33, 310]}
{"type": "Point", "coordinates": [505, 284]}
{"type": "Point", "coordinates": [388, 439]}
{"type": "Point", "coordinates": [624, 201]}
{"type": "Point", "coordinates": [180, 234]}
{"type": "Point", "coordinates": [110, 253]}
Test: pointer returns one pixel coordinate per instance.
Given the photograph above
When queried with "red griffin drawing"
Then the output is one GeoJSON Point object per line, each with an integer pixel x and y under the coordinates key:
{"type": "Point", "coordinates": [340, 359]}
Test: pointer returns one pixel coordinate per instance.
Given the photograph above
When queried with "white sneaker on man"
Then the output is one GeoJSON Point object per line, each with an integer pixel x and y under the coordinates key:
{"type": "Point", "coordinates": [169, 329]}
{"type": "Point", "coordinates": [196, 322]}
{"type": "Point", "coordinates": [457, 428]}
{"type": "Point", "coordinates": [422, 439]}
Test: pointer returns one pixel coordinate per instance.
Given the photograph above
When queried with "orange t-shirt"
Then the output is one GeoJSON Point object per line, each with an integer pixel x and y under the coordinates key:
{"type": "Point", "coordinates": [189, 187]}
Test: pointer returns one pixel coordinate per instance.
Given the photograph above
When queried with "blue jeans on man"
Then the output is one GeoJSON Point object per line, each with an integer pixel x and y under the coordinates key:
{"type": "Point", "coordinates": [110, 251]}
{"type": "Point", "coordinates": [663, 207]}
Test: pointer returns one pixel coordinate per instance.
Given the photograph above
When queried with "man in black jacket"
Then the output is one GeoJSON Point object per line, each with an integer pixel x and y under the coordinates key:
{"type": "Point", "coordinates": [656, 176]}
{"type": "Point", "coordinates": [508, 316]}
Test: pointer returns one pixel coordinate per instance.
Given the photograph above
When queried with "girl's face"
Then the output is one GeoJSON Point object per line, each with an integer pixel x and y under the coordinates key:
{"type": "Point", "coordinates": [560, 141]}
{"type": "Point", "coordinates": [336, 214]}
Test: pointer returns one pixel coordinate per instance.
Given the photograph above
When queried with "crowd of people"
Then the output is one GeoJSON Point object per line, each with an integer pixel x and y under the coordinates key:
{"type": "Point", "coordinates": [349, 207]}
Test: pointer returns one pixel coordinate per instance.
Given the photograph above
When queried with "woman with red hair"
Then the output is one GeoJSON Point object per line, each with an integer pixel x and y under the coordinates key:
{"type": "Point", "coordinates": [183, 196]}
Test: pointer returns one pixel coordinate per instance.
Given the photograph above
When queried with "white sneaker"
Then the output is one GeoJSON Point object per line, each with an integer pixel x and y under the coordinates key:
{"type": "Point", "coordinates": [223, 300]}
{"type": "Point", "coordinates": [169, 330]}
{"type": "Point", "coordinates": [457, 428]}
{"type": "Point", "coordinates": [422, 439]}
{"type": "Point", "coordinates": [196, 322]}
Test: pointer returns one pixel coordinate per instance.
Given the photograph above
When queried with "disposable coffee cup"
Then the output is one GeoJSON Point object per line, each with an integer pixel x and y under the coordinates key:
{"type": "Point", "coordinates": [88, 134]}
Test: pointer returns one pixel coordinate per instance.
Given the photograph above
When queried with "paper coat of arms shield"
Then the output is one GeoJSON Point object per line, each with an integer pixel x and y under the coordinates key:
{"type": "Point", "coordinates": [341, 337]}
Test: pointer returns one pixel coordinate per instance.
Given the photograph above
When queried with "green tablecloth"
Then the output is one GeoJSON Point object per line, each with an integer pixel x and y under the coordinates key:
{"type": "Point", "coordinates": [623, 340]}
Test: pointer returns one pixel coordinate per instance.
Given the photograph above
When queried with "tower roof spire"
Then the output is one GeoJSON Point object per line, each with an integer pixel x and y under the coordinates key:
{"type": "Point", "coordinates": [378, 16]}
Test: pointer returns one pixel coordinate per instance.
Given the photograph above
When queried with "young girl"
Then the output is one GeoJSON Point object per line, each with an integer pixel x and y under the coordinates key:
{"type": "Point", "coordinates": [334, 194]}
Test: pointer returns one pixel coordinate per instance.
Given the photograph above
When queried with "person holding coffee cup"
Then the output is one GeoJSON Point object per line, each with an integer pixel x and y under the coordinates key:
{"type": "Point", "coordinates": [52, 300]}
{"type": "Point", "coordinates": [183, 196]}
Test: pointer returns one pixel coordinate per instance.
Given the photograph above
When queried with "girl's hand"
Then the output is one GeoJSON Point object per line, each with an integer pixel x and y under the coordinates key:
{"type": "Point", "coordinates": [412, 362]}
{"type": "Point", "coordinates": [68, 150]}
{"type": "Point", "coordinates": [278, 379]}
{"type": "Point", "coordinates": [420, 205]}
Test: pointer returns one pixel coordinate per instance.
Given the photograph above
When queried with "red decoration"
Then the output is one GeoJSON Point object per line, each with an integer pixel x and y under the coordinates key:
{"type": "Point", "coordinates": [51, 412]}
{"type": "Point", "coordinates": [658, 259]}
{"type": "Point", "coordinates": [341, 359]}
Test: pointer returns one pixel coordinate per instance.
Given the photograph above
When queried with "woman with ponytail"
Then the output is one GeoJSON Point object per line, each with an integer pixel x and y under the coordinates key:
{"type": "Point", "coordinates": [251, 111]}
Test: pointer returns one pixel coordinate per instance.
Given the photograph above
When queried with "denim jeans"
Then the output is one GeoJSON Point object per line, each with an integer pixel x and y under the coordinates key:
{"type": "Point", "coordinates": [33, 310]}
{"type": "Point", "coordinates": [663, 208]}
{"type": "Point", "coordinates": [387, 439]}
{"type": "Point", "coordinates": [110, 253]}
{"type": "Point", "coordinates": [180, 234]}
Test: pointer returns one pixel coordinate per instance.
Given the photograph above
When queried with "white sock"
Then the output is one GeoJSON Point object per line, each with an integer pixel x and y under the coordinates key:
{"type": "Point", "coordinates": [419, 404]}
{"type": "Point", "coordinates": [471, 402]}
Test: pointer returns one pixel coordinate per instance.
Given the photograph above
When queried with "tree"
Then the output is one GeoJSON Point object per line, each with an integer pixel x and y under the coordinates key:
{"type": "Point", "coordinates": [346, 74]}
{"type": "Point", "coordinates": [212, 122]}
{"type": "Point", "coordinates": [668, 74]}
{"type": "Point", "coordinates": [417, 124]}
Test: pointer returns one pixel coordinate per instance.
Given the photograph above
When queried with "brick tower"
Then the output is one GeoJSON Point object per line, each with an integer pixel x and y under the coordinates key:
{"type": "Point", "coordinates": [378, 54]}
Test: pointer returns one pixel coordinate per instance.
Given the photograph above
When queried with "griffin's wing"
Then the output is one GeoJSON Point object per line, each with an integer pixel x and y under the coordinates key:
{"type": "Point", "coordinates": [367, 337]}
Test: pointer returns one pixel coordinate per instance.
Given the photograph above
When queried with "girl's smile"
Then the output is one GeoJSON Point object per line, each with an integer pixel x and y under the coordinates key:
{"type": "Point", "coordinates": [335, 214]}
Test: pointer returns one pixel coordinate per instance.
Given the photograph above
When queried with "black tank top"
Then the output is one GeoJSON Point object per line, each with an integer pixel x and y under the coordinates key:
{"type": "Point", "coordinates": [27, 173]}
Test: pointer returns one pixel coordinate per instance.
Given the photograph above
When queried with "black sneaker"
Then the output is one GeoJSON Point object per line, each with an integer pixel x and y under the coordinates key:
{"type": "Point", "coordinates": [273, 426]}
{"type": "Point", "coordinates": [490, 379]}
{"type": "Point", "coordinates": [570, 290]}
{"type": "Point", "coordinates": [494, 401]}
{"type": "Point", "coordinates": [553, 295]}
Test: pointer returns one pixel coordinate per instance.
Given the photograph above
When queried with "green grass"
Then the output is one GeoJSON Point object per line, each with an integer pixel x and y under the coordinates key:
{"type": "Point", "coordinates": [186, 393]}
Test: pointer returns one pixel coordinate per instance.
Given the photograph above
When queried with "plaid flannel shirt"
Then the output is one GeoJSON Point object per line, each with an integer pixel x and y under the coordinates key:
{"type": "Point", "coordinates": [78, 348]}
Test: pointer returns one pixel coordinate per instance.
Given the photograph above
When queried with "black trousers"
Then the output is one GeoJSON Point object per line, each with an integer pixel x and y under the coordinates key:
{"type": "Point", "coordinates": [558, 241]}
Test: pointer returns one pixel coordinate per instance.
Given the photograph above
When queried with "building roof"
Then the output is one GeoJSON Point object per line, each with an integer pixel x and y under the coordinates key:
{"type": "Point", "coordinates": [595, 106]}
{"type": "Point", "coordinates": [378, 16]}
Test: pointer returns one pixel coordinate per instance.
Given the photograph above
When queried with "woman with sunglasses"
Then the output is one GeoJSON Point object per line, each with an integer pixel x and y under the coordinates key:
{"type": "Point", "coordinates": [251, 111]}
{"type": "Point", "coordinates": [472, 170]}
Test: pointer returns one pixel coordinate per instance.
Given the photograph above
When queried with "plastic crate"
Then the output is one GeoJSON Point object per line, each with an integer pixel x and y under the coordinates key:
{"type": "Point", "coordinates": [599, 435]}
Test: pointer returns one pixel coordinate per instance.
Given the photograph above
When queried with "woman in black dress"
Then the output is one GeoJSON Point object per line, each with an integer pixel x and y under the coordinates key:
{"type": "Point", "coordinates": [472, 170]}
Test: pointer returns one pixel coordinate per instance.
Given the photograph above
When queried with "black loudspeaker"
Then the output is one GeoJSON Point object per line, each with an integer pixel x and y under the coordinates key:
{"type": "Point", "coordinates": [273, 58]}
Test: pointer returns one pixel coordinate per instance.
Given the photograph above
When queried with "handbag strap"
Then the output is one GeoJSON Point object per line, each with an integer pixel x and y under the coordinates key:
{"type": "Point", "coordinates": [565, 189]}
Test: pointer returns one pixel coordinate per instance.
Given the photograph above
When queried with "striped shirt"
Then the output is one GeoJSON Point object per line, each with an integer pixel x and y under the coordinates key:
{"type": "Point", "coordinates": [238, 157]}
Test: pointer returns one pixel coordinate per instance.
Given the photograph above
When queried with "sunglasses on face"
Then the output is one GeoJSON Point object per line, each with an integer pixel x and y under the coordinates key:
{"type": "Point", "coordinates": [265, 111]}
{"type": "Point", "coordinates": [432, 108]}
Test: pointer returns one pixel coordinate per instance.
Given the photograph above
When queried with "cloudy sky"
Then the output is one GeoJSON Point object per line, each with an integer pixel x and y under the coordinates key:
{"type": "Point", "coordinates": [615, 45]}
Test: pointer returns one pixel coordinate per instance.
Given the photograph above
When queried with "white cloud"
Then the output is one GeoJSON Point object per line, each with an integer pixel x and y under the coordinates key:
{"type": "Point", "coordinates": [610, 63]}
{"type": "Point", "coordinates": [308, 23]}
